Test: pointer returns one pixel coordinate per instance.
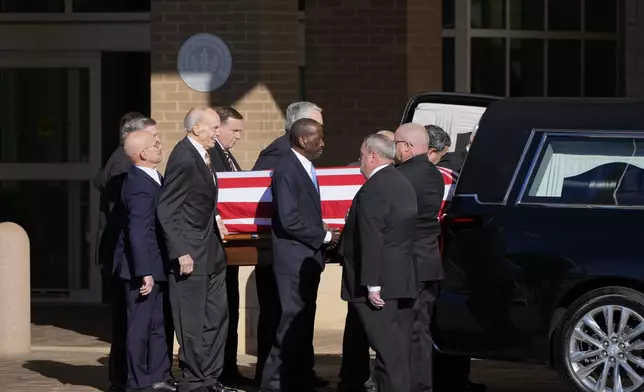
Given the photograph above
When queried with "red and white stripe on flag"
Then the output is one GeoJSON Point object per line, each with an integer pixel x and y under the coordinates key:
{"type": "Point", "coordinates": [245, 197]}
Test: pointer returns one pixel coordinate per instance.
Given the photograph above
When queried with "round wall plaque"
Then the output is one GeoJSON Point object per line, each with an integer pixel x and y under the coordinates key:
{"type": "Point", "coordinates": [204, 62]}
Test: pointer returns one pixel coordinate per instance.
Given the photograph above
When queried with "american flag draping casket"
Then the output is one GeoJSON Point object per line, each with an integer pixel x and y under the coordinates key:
{"type": "Point", "coordinates": [245, 196]}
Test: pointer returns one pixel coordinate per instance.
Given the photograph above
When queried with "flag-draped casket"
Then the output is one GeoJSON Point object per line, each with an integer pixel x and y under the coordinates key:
{"type": "Point", "coordinates": [245, 197]}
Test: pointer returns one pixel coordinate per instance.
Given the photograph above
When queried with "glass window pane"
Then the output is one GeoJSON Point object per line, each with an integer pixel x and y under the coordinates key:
{"type": "Point", "coordinates": [577, 170]}
{"type": "Point", "coordinates": [488, 14]}
{"type": "Point", "coordinates": [32, 6]}
{"type": "Point", "coordinates": [601, 16]}
{"type": "Point", "coordinates": [526, 14]}
{"type": "Point", "coordinates": [54, 130]}
{"type": "Point", "coordinates": [600, 63]}
{"type": "Point", "coordinates": [449, 12]}
{"type": "Point", "coordinates": [488, 66]}
{"type": "Point", "coordinates": [564, 68]}
{"type": "Point", "coordinates": [564, 15]}
{"type": "Point", "coordinates": [449, 82]}
{"type": "Point", "coordinates": [526, 67]}
{"type": "Point", "coordinates": [55, 216]}
{"type": "Point", "coordinates": [111, 5]}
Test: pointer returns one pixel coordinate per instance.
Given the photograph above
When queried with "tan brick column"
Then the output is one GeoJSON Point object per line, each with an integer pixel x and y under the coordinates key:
{"type": "Point", "coordinates": [261, 36]}
{"type": "Point", "coordinates": [364, 60]}
{"type": "Point", "coordinates": [15, 291]}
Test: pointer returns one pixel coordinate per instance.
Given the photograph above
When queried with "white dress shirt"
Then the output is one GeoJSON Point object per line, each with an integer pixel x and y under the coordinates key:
{"type": "Point", "coordinates": [153, 173]}
{"type": "Point", "coordinates": [202, 152]}
{"type": "Point", "coordinates": [308, 168]}
{"type": "Point", "coordinates": [375, 289]}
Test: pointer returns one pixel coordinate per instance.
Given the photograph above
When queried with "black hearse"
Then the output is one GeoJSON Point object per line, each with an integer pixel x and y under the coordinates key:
{"type": "Point", "coordinates": [544, 238]}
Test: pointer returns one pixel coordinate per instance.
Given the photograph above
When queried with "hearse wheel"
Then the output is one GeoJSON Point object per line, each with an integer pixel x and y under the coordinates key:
{"type": "Point", "coordinates": [601, 341]}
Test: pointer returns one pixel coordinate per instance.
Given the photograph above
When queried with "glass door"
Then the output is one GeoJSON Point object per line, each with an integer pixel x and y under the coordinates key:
{"type": "Point", "coordinates": [50, 134]}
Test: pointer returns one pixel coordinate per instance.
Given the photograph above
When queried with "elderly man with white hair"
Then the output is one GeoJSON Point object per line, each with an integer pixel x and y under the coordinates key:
{"type": "Point", "coordinates": [186, 212]}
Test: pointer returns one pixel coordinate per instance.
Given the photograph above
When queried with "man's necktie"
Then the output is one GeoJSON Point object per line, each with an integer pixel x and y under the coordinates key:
{"type": "Point", "coordinates": [208, 162]}
{"type": "Point", "coordinates": [229, 158]}
{"type": "Point", "coordinates": [314, 178]}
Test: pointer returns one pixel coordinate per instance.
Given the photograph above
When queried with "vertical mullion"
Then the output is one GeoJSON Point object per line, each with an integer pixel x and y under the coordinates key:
{"type": "Point", "coordinates": [582, 51]}
{"type": "Point", "coordinates": [507, 49]}
{"type": "Point", "coordinates": [462, 46]}
{"type": "Point", "coordinates": [546, 44]}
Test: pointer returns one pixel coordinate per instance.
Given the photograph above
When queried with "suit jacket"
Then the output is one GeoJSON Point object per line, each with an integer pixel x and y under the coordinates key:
{"type": "Point", "coordinates": [273, 153]}
{"type": "Point", "coordinates": [219, 161]}
{"type": "Point", "coordinates": [139, 250]}
{"type": "Point", "coordinates": [109, 182]}
{"type": "Point", "coordinates": [186, 211]}
{"type": "Point", "coordinates": [429, 188]}
{"type": "Point", "coordinates": [297, 227]}
{"type": "Point", "coordinates": [378, 239]}
{"type": "Point", "coordinates": [453, 160]}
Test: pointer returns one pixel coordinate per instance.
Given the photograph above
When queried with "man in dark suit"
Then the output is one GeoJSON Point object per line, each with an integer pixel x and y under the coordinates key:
{"type": "Point", "coordinates": [378, 277]}
{"type": "Point", "coordinates": [451, 372]}
{"type": "Point", "coordinates": [186, 211]}
{"type": "Point", "coordinates": [109, 181]}
{"type": "Point", "coordinates": [412, 148]}
{"type": "Point", "coordinates": [223, 161]}
{"type": "Point", "coordinates": [267, 296]}
{"type": "Point", "coordinates": [355, 367]}
{"type": "Point", "coordinates": [140, 268]}
{"type": "Point", "coordinates": [299, 237]}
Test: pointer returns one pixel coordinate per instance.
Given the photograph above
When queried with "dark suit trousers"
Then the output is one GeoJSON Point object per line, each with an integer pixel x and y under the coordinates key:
{"type": "Point", "coordinates": [200, 313]}
{"type": "Point", "coordinates": [355, 368]}
{"type": "Point", "coordinates": [117, 360]}
{"type": "Point", "coordinates": [270, 312]}
{"type": "Point", "coordinates": [289, 366]}
{"type": "Point", "coordinates": [422, 344]}
{"type": "Point", "coordinates": [232, 339]}
{"type": "Point", "coordinates": [139, 354]}
{"type": "Point", "coordinates": [389, 333]}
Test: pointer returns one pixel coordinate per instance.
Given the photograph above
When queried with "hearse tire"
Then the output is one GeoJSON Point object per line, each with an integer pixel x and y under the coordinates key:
{"type": "Point", "coordinates": [614, 351]}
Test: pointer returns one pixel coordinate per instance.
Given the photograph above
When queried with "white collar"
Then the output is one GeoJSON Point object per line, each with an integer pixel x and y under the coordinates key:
{"type": "Point", "coordinates": [308, 165]}
{"type": "Point", "coordinates": [376, 170]}
{"type": "Point", "coordinates": [199, 147]}
{"type": "Point", "coordinates": [153, 173]}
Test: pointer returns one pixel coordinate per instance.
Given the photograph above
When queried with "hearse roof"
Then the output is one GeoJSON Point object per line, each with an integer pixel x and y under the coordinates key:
{"type": "Point", "coordinates": [507, 124]}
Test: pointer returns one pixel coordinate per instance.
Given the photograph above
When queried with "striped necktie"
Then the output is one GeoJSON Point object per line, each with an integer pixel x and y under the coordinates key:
{"type": "Point", "coordinates": [230, 161]}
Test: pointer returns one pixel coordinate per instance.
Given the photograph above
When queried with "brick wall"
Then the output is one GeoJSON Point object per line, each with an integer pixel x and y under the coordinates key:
{"type": "Point", "coordinates": [634, 48]}
{"type": "Point", "coordinates": [364, 59]}
{"type": "Point", "coordinates": [264, 80]}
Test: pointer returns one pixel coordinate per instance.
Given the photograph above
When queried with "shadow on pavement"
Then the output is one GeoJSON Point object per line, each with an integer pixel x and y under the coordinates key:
{"type": "Point", "coordinates": [88, 320]}
{"type": "Point", "coordinates": [78, 375]}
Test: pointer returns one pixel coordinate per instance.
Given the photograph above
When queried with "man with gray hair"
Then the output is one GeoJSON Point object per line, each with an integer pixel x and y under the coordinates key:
{"type": "Point", "coordinates": [269, 307]}
{"type": "Point", "coordinates": [271, 155]}
{"type": "Point", "coordinates": [378, 266]}
{"type": "Point", "coordinates": [439, 143]}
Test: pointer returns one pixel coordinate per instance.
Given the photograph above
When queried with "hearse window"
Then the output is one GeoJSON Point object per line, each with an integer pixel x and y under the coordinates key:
{"type": "Point", "coordinates": [589, 171]}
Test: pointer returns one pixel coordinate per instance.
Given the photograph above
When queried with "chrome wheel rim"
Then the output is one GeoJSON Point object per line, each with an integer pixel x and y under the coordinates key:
{"type": "Point", "coordinates": [606, 350]}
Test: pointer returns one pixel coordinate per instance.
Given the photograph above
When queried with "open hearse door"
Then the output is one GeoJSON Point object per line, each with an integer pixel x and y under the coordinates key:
{"type": "Point", "coordinates": [457, 113]}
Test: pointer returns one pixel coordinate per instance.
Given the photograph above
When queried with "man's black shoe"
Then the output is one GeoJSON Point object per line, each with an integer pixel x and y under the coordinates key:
{"type": "Point", "coordinates": [236, 379]}
{"type": "Point", "coordinates": [475, 386]}
{"type": "Point", "coordinates": [219, 387]}
{"type": "Point", "coordinates": [319, 382]}
{"type": "Point", "coordinates": [164, 387]}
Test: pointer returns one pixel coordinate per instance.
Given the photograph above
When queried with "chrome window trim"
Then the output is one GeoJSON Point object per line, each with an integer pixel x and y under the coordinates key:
{"type": "Point", "coordinates": [591, 134]}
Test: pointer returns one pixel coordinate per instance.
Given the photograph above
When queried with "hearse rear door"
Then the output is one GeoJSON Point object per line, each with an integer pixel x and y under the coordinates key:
{"type": "Point", "coordinates": [458, 114]}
